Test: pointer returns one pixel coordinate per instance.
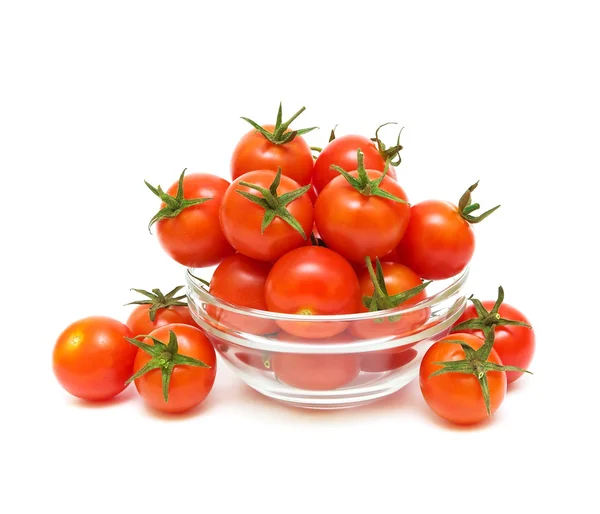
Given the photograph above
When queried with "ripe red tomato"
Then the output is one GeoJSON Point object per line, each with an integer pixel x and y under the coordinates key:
{"type": "Point", "coordinates": [515, 345]}
{"type": "Point", "coordinates": [92, 359]}
{"type": "Point", "coordinates": [316, 372]}
{"type": "Point", "coordinates": [312, 280]}
{"type": "Point", "coordinates": [385, 360]}
{"type": "Point", "coordinates": [271, 147]}
{"type": "Point", "coordinates": [189, 383]}
{"type": "Point", "coordinates": [188, 228]}
{"type": "Point", "coordinates": [458, 397]}
{"type": "Point", "coordinates": [342, 152]}
{"type": "Point", "coordinates": [358, 224]}
{"type": "Point", "coordinates": [439, 241]}
{"type": "Point", "coordinates": [158, 310]}
{"type": "Point", "coordinates": [242, 218]}
{"type": "Point", "coordinates": [240, 280]}
{"type": "Point", "coordinates": [398, 279]}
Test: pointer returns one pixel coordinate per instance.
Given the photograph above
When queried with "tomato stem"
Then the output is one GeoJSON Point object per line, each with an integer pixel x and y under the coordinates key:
{"type": "Point", "coordinates": [391, 154]}
{"type": "Point", "coordinates": [465, 207]}
{"type": "Point", "coordinates": [280, 135]}
{"type": "Point", "coordinates": [157, 300]}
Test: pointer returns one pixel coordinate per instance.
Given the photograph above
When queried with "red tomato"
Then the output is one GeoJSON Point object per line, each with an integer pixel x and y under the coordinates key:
{"type": "Point", "coordinates": [189, 385]}
{"type": "Point", "coordinates": [312, 194]}
{"type": "Point", "coordinates": [439, 241]}
{"type": "Point", "coordinates": [356, 224]}
{"type": "Point", "coordinates": [457, 397]}
{"type": "Point", "coordinates": [385, 360]}
{"type": "Point", "coordinates": [257, 360]}
{"type": "Point", "coordinates": [515, 345]}
{"type": "Point", "coordinates": [92, 360]}
{"type": "Point", "coordinates": [312, 280]}
{"type": "Point", "coordinates": [158, 310]}
{"type": "Point", "coordinates": [193, 236]}
{"type": "Point", "coordinates": [397, 278]}
{"type": "Point", "coordinates": [342, 152]}
{"type": "Point", "coordinates": [316, 372]}
{"type": "Point", "coordinates": [240, 280]}
{"type": "Point", "coordinates": [241, 219]}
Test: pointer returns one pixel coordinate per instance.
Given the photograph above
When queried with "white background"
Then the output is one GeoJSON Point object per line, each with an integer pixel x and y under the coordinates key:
{"type": "Point", "coordinates": [97, 96]}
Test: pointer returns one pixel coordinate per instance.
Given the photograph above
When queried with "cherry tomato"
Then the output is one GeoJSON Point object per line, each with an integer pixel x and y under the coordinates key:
{"type": "Point", "coordinates": [193, 237]}
{"type": "Point", "coordinates": [240, 280]}
{"type": "Point", "coordinates": [316, 372]}
{"type": "Point", "coordinates": [398, 279]}
{"type": "Point", "coordinates": [342, 152]}
{"type": "Point", "coordinates": [241, 218]}
{"type": "Point", "coordinates": [92, 360]}
{"type": "Point", "coordinates": [357, 225]}
{"type": "Point", "coordinates": [457, 397]}
{"type": "Point", "coordinates": [312, 280]}
{"type": "Point", "coordinates": [385, 360]}
{"type": "Point", "coordinates": [158, 310]}
{"type": "Point", "coordinates": [515, 345]}
{"type": "Point", "coordinates": [257, 360]}
{"type": "Point", "coordinates": [189, 385]}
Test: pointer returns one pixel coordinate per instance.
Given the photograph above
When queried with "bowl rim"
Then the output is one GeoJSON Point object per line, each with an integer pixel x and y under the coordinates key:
{"type": "Point", "coordinates": [193, 284]}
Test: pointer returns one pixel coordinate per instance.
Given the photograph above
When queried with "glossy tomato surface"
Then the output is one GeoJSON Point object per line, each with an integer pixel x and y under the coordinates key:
{"type": "Point", "coordinates": [342, 152]}
{"type": "Point", "coordinates": [194, 237]}
{"type": "Point", "coordinates": [92, 359]}
{"type": "Point", "coordinates": [139, 321]}
{"type": "Point", "coordinates": [241, 219]}
{"type": "Point", "coordinates": [515, 345]}
{"type": "Point", "coordinates": [457, 397]}
{"type": "Point", "coordinates": [255, 152]}
{"type": "Point", "coordinates": [189, 385]}
{"type": "Point", "coordinates": [356, 225]}
{"type": "Point", "coordinates": [312, 280]}
{"type": "Point", "coordinates": [438, 243]}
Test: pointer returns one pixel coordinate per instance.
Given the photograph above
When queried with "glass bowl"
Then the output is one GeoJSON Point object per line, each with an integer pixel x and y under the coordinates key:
{"type": "Point", "coordinates": [348, 360]}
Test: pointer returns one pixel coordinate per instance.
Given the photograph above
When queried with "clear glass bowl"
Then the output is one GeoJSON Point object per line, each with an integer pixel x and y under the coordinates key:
{"type": "Point", "coordinates": [372, 355]}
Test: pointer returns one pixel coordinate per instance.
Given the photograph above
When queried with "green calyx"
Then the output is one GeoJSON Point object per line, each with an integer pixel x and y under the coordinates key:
{"type": "Point", "coordinates": [174, 204]}
{"type": "Point", "coordinates": [488, 321]}
{"type": "Point", "coordinates": [392, 153]}
{"type": "Point", "coordinates": [465, 207]}
{"type": "Point", "coordinates": [164, 357]}
{"type": "Point", "coordinates": [280, 135]}
{"type": "Point", "coordinates": [476, 363]}
{"type": "Point", "coordinates": [157, 300]}
{"type": "Point", "coordinates": [362, 184]}
{"type": "Point", "coordinates": [381, 300]}
{"type": "Point", "coordinates": [275, 206]}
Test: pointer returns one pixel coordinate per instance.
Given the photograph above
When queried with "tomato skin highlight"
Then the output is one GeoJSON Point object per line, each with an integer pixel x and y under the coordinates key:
{"type": "Point", "coordinates": [457, 397]}
{"type": "Point", "coordinates": [342, 152]}
{"type": "Point", "coordinates": [241, 219]}
{"type": "Point", "coordinates": [355, 225]}
{"type": "Point", "coordinates": [398, 278]}
{"type": "Point", "coordinates": [189, 385]}
{"type": "Point", "coordinates": [240, 280]}
{"type": "Point", "coordinates": [256, 152]}
{"type": "Point", "coordinates": [194, 237]}
{"type": "Point", "coordinates": [91, 358]}
{"type": "Point", "coordinates": [438, 242]}
{"type": "Point", "coordinates": [514, 345]}
{"type": "Point", "coordinates": [316, 281]}
{"type": "Point", "coordinates": [139, 321]}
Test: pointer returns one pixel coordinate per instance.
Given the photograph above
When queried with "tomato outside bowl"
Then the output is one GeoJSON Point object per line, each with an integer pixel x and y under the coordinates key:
{"type": "Point", "coordinates": [342, 371]}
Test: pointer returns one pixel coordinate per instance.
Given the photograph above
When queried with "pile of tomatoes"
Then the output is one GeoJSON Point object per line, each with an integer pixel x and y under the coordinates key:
{"type": "Point", "coordinates": [299, 233]}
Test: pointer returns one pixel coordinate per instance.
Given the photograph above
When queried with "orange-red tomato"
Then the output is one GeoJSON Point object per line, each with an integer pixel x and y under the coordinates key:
{"type": "Point", "coordinates": [398, 278]}
{"type": "Point", "coordinates": [139, 321]}
{"type": "Point", "coordinates": [92, 360]}
{"type": "Point", "coordinates": [255, 152]}
{"type": "Point", "coordinates": [241, 219]}
{"type": "Point", "coordinates": [457, 397]}
{"type": "Point", "coordinates": [342, 152]}
{"type": "Point", "coordinates": [189, 385]}
{"type": "Point", "coordinates": [515, 345]}
{"type": "Point", "coordinates": [194, 237]}
{"type": "Point", "coordinates": [357, 225]}
{"type": "Point", "coordinates": [312, 280]}
{"type": "Point", "coordinates": [240, 280]}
